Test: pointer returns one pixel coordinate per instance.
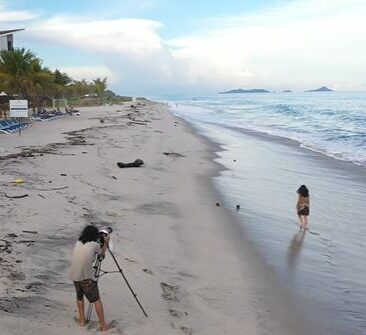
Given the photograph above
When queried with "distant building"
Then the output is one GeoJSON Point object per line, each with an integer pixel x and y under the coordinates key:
{"type": "Point", "coordinates": [7, 39]}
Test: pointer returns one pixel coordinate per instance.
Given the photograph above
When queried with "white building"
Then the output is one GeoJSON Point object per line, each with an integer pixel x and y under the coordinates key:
{"type": "Point", "coordinates": [7, 39]}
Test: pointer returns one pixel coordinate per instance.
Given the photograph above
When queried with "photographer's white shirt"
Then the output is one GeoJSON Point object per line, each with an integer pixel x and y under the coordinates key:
{"type": "Point", "coordinates": [82, 260]}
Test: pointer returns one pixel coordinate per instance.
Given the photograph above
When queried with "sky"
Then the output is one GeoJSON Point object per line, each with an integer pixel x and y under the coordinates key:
{"type": "Point", "coordinates": [157, 47]}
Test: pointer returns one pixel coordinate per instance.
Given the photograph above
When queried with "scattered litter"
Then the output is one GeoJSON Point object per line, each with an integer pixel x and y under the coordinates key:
{"type": "Point", "coordinates": [40, 195]}
{"type": "Point", "coordinates": [63, 174]}
{"type": "Point", "coordinates": [217, 204]}
{"type": "Point", "coordinates": [114, 177]}
{"type": "Point", "coordinates": [19, 181]}
{"type": "Point", "coordinates": [12, 235]}
{"type": "Point", "coordinates": [136, 163]}
{"type": "Point", "coordinates": [237, 207]}
{"type": "Point", "coordinates": [173, 154]}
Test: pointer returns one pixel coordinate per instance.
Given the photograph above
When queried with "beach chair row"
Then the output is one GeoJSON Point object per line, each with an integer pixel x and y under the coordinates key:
{"type": "Point", "coordinates": [9, 127]}
{"type": "Point", "coordinates": [47, 115]}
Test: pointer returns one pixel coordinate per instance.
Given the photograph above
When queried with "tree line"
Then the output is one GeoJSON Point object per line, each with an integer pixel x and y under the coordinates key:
{"type": "Point", "coordinates": [23, 76]}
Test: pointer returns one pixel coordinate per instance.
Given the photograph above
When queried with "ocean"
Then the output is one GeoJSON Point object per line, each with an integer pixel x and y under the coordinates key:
{"type": "Point", "coordinates": [271, 144]}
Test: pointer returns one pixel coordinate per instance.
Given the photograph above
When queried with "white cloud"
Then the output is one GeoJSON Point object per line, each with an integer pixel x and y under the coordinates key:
{"type": "Point", "coordinates": [304, 43]}
{"type": "Point", "coordinates": [11, 16]}
{"type": "Point", "coordinates": [298, 44]}
{"type": "Point", "coordinates": [89, 73]}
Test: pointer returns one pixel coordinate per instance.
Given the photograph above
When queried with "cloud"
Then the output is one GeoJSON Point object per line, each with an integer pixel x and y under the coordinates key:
{"type": "Point", "coordinates": [90, 72]}
{"type": "Point", "coordinates": [296, 44]}
{"type": "Point", "coordinates": [11, 16]}
{"type": "Point", "coordinates": [300, 44]}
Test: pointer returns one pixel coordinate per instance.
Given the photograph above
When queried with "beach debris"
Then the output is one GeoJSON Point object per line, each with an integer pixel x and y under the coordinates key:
{"type": "Point", "coordinates": [237, 207]}
{"type": "Point", "coordinates": [186, 331]}
{"type": "Point", "coordinates": [148, 271]}
{"type": "Point", "coordinates": [114, 177]}
{"type": "Point", "coordinates": [33, 284]}
{"type": "Point", "coordinates": [170, 292]}
{"type": "Point", "coordinates": [173, 154]}
{"type": "Point", "coordinates": [40, 195]}
{"type": "Point", "coordinates": [16, 275]}
{"type": "Point", "coordinates": [12, 235]}
{"type": "Point", "coordinates": [175, 313]}
{"type": "Point", "coordinates": [130, 260]}
{"type": "Point", "coordinates": [19, 181]}
{"type": "Point", "coordinates": [63, 174]}
{"type": "Point", "coordinates": [217, 204]}
{"type": "Point", "coordinates": [136, 163]}
{"type": "Point", "coordinates": [49, 189]}
{"type": "Point", "coordinates": [30, 231]}
{"type": "Point", "coordinates": [16, 196]}
{"type": "Point", "coordinates": [25, 241]}
{"type": "Point", "coordinates": [234, 160]}
{"type": "Point", "coordinates": [5, 246]}
{"type": "Point", "coordinates": [102, 121]}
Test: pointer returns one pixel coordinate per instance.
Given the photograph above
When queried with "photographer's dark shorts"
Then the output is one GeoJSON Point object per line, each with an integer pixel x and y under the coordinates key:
{"type": "Point", "coordinates": [87, 287]}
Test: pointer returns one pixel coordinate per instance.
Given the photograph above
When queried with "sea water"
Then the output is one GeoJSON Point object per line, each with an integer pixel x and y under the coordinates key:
{"type": "Point", "coordinates": [271, 144]}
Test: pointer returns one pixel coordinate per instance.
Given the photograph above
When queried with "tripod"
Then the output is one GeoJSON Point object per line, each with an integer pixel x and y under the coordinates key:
{"type": "Point", "coordinates": [98, 272]}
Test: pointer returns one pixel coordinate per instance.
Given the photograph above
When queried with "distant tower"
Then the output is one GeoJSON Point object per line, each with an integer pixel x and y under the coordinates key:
{"type": "Point", "coordinates": [7, 39]}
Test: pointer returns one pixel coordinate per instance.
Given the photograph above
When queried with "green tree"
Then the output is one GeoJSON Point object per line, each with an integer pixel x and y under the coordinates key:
{"type": "Point", "coordinates": [100, 85]}
{"type": "Point", "coordinates": [14, 71]}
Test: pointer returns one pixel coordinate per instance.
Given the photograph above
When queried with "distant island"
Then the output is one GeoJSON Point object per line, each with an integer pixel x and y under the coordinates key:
{"type": "Point", "coordinates": [321, 89]}
{"type": "Point", "coordinates": [240, 90]}
{"type": "Point", "coordinates": [286, 91]}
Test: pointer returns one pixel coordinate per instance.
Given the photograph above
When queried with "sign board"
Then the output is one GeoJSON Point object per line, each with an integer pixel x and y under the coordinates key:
{"type": "Point", "coordinates": [18, 108]}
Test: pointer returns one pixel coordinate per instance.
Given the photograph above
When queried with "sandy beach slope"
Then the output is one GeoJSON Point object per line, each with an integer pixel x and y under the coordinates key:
{"type": "Point", "coordinates": [183, 255]}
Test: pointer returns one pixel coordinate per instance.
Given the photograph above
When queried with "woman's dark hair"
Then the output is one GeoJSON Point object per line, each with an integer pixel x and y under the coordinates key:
{"type": "Point", "coordinates": [89, 234]}
{"type": "Point", "coordinates": [303, 191]}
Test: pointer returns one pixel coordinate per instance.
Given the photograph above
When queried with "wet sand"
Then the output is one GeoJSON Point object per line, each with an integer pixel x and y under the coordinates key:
{"type": "Point", "coordinates": [186, 258]}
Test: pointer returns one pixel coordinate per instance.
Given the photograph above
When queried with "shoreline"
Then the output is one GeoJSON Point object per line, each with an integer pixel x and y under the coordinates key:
{"type": "Point", "coordinates": [269, 171]}
{"type": "Point", "coordinates": [185, 257]}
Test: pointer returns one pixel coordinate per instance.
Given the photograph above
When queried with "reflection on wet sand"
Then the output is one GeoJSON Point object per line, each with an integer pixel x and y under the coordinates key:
{"type": "Point", "coordinates": [294, 248]}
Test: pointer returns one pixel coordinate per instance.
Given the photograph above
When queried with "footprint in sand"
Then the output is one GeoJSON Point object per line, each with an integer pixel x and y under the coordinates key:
{"type": "Point", "coordinates": [186, 330]}
{"type": "Point", "coordinates": [170, 292]}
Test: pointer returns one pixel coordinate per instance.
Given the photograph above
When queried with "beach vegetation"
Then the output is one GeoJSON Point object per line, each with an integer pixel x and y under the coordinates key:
{"type": "Point", "coordinates": [23, 76]}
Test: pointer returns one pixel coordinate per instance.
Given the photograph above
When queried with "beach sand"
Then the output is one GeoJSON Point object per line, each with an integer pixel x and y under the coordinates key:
{"type": "Point", "coordinates": [185, 257]}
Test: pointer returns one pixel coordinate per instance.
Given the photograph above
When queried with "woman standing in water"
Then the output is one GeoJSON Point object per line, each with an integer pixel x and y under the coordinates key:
{"type": "Point", "coordinates": [303, 206]}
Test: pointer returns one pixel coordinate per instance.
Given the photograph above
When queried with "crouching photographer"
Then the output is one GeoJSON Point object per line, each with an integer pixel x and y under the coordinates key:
{"type": "Point", "coordinates": [89, 246]}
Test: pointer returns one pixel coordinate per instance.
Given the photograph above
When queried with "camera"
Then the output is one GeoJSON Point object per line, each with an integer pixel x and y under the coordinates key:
{"type": "Point", "coordinates": [102, 235]}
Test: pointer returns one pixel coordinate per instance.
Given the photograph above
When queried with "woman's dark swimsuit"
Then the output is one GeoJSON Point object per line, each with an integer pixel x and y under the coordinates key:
{"type": "Point", "coordinates": [304, 211]}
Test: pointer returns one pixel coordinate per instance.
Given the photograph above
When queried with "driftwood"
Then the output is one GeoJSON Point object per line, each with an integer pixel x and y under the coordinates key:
{"type": "Point", "coordinates": [136, 163]}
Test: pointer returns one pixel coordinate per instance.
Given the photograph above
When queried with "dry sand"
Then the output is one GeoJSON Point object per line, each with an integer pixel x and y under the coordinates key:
{"type": "Point", "coordinates": [184, 256]}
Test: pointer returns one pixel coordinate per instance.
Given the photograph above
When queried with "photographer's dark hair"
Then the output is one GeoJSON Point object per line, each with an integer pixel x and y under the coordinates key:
{"type": "Point", "coordinates": [89, 234]}
{"type": "Point", "coordinates": [303, 191]}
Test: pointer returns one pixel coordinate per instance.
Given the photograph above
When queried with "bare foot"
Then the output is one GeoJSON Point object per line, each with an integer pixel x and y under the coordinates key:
{"type": "Point", "coordinates": [82, 323]}
{"type": "Point", "coordinates": [105, 328]}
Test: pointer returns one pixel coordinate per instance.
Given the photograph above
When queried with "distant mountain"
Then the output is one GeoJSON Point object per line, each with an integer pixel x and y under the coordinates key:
{"type": "Point", "coordinates": [239, 90]}
{"type": "Point", "coordinates": [286, 91]}
{"type": "Point", "coordinates": [321, 89]}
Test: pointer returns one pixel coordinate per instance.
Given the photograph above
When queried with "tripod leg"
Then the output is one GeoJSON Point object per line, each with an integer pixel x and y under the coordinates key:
{"type": "Point", "coordinates": [128, 284]}
{"type": "Point", "coordinates": [97, 266]}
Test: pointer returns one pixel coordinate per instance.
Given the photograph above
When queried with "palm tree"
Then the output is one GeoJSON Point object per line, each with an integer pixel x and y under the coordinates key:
{"type": "Point", "coordinates": [24, 76]}
{"type": "Point", "coordinates": [100, 85]}
{"type": "Point", "coordinates": [14, 69]}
